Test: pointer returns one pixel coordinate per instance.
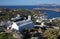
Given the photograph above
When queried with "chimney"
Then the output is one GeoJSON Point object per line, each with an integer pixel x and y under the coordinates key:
{"type": "Point", "coordinates": [29, 17]}
{"type": "Point", "coordinates": [42, 24]}
{"type": "Point", "coordinates": [18, 15]}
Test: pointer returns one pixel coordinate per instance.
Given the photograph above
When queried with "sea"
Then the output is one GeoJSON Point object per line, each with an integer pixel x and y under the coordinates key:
{"type": "Point", "coordinates": [49, 13]}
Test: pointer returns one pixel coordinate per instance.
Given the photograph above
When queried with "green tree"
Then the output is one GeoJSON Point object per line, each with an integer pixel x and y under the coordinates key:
{"type": "Point", "coordinates": [51, 34]}
{"type": "Point", "coordinates": [6, 36]}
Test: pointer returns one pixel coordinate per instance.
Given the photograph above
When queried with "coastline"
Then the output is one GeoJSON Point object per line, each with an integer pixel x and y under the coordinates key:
{"type": "Point", "coordinates": [53, 9]}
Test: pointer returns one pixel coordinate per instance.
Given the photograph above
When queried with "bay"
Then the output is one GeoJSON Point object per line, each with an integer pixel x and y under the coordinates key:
{"type": "Point", "coordinates": [49, 13]}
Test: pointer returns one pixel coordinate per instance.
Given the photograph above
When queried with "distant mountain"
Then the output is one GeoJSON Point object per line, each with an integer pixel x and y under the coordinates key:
{"type": "Point", "coordinates": [48, 5]}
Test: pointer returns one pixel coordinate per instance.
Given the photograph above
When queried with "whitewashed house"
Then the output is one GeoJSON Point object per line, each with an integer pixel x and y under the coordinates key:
{"type": "Point", "coordinates": [20, 25]}
{"type": "Point", "coordinates": [18, 17]}
{"type": "Point", "coordinates": [40, 19]}
{"type": "Point", "coordinates": [51, 20]}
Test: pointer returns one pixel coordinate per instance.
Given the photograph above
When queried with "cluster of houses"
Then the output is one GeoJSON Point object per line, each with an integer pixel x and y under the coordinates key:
{"type": "Point", "coordinates": [18, 24]}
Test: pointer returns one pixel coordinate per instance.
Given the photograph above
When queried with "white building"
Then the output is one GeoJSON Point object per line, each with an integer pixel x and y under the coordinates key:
{"type": "Point", "coordinates": [20, 25]}
{"type": "Point", "coordinates": [54, 19]}
{"type": "Point", "coordinates": [18, 17]}
{"type": "Point", "coordinates": [40, 19]}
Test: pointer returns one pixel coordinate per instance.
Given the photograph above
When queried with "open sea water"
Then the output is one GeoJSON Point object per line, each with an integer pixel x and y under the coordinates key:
{"type": "Point", "coordinates": [49, 13]}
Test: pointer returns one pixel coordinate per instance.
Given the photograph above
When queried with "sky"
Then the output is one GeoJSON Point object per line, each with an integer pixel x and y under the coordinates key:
{"type": "Point", "coordinates": [28, 2]}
